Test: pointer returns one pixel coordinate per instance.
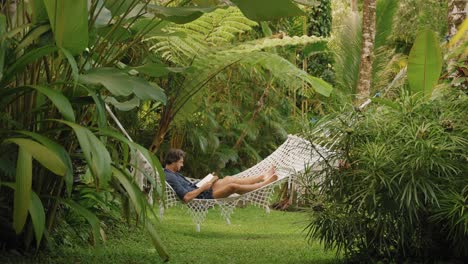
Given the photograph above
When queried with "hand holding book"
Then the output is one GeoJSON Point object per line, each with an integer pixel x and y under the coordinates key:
{"type": "Point", "coordinates": [208, 178]}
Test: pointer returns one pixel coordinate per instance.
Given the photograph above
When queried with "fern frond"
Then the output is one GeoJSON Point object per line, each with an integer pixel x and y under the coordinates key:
{"type": "Point", "coordinates": [198, 37]}
{"type": "Point", "coordinates": [267, 43]}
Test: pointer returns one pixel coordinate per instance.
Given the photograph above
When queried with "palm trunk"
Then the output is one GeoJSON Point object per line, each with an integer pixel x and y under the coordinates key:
{"type": "Point", "coordinates": [367, 50]}
{"type": "Point", "coordinates": [457, 10]}
{"type": "Point", "coordinates": [354, 6]}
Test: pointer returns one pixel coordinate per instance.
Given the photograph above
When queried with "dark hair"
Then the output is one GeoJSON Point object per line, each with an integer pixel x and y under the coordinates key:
{"type": "Point", "coordinates": [173, 155]}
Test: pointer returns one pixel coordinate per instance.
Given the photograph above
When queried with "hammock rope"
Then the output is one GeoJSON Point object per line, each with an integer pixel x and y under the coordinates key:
{"type": "Point", "coordinates": [294, 156]}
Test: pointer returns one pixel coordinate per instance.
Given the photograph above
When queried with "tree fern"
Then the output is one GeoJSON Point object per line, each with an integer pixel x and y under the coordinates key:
{"type": "Point", "coordinates": [279, 68]}
{"type": "Point", "coordinates": [216, 28]}
{"type": "Point", "coordinates": [251, 54]}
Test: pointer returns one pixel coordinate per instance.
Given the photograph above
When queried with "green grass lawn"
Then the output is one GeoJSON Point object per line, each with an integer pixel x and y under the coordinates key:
{"type": "Point", "coordinates": [253, 237]}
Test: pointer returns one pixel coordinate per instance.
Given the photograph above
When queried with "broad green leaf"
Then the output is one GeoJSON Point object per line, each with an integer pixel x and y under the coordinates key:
{"type": "Point", "coordinates": [314, 48]}
{"type": "Point", "coordinates": [32, 36]}
{"type": "Point", "coordinates": [47, 157]}
{"type": "Point", "coordinates": [73, 65]}
{"type": "Point", "coordinates": [263, 10]}
{"type": "Point", "coordinates": [36, 210]}
{"type": "Point", "coordinates": [153, 160]}
{"type": "Point", "coordinates": [88, 215]}
{"type": "Point", "coordinates": [22, 197]}
{"type": "Point", "coordinates": [3, 25]}
{"type": "Point", "coordinates": [179, 15]}
{"type": "Point", "coordinates": [59, 100]}
{"type": "Point", "coordinates": [158, 244]}
{"type": "Point", "coordinates": [114, 33]}
{"type": "Point", "coordinates": [94, 151]}
{"type": "Point", "coordinates": [151, 92]}
{"type": "Point", "coordinates": [118, 7]}
{"type": "Point", "coordinates": [149, 26]}
{"type": "Point", "coordinates": [136, 196]}
{"type": "Point", "coordinates": [121, 84]}
{"type": "Point", "coordinates": [146, 26]}
{"type": "Point", "coordinates": [13, 32]}
{"type": "Point", "coordinates": [112, 79]}
{"type": "Point", "coordinates": [100, 112]}
{"type": "Point", "coordinates": [139, 202]}
{"type": "Point", "coordinates": [69, 22]}
{"type": "Point", "coordinates": [59, 151]}
{"type": "Point", "coordinates": [157, 70]}
{"type": "Point", "coordinates": [206, 2]}
{"type": "Point", "coordinates": [39, 12]}
{"type": "Point", "coordinates": [123, 106]}
{"type": "Point", "coordinates": [320, 86]}
{"type": "Point", "coordinates": [424, 63]}
{"type": "Point", "coordinates": [21, 63]}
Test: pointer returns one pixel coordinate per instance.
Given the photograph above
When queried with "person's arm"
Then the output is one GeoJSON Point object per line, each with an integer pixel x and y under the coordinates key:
{"type": "Point", "coordinates": [193, 194]}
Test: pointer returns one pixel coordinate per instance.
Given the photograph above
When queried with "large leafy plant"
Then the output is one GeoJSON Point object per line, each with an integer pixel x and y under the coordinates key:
{"type": "Point", "coordinates": [60, 61]}
{"type": "Point", "coordinates": [398, 190]}
{"type": "Point", "coordinates": [399, 187]}
{"type": "Point", "coordinates": [209, 47]}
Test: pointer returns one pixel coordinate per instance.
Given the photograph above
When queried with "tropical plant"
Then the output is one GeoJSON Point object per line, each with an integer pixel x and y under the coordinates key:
{"type": "Point", "coordinates": [60, 62]}
{"type": "Point", "coordinates": [414, 16]}
{"type": "Point", "coordinates": [57, 70]}
{"type": "Point", "coordinates": [403, 185]}
{"type": "Point", "coordinates": [346, 45]}
{"type": "Point", "coordinates": [398, 190]}
{"type": "Point", "coordinates": [209, 46]}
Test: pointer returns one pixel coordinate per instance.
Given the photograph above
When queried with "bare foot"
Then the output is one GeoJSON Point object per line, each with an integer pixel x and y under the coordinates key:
{"type": "Point", "coordinates": [271, 179]}
{"type": "Point", "coordinates": [268, 173]}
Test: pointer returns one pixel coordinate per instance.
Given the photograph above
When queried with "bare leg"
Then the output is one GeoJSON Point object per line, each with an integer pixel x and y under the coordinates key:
{"type": "Point", "coordinates": [247, 180]}
{"type": "Point", "coordinates": [222, 191]}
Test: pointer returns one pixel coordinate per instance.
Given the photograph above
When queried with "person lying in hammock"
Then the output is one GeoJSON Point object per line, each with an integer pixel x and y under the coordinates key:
{"type": "Point", "coordinates": [214, 189]}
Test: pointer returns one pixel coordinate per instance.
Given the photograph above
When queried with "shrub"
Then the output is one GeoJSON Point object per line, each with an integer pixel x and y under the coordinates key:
{"type": "Point", "coordinates": [402, 193]}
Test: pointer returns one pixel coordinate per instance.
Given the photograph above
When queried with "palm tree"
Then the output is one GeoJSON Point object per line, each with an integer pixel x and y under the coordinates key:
{"type": "Point", "coordinates": [367, 51]}
{"type": "Point", "coordinates": [354, 5]}
{"type": "Point", "coordinates": [457, 10]}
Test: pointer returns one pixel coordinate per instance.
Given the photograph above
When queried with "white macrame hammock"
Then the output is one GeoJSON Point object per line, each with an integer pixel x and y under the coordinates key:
{"type": "Point", "coordinates": [293, 157]}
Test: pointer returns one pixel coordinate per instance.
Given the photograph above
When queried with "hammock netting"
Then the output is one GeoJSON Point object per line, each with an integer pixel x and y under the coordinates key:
{"type": "Point", "coordinates": [293, 157]}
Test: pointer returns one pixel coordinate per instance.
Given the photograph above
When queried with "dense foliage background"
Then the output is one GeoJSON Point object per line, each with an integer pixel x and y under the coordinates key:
{"type": "Point", "coordinates": [227, 81]}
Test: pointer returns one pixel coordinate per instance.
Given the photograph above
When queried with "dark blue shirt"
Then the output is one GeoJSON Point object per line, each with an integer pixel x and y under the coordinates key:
{"type": "Point", "coordinates": [182, 186]}
{"type": "Point", "coordinates": [178, 182]}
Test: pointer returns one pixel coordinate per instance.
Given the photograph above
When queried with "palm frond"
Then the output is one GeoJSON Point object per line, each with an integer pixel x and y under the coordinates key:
{"type": "Point", "coordinates": [346, 46]}
{"type": "Point", "coordinates": [381, 75]}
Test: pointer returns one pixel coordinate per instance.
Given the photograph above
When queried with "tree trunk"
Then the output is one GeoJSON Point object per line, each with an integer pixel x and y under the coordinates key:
{"type": "Point", "coordinates": [367, 50]}
{"type": "Point", "coordinates": [456, 15]}
{"type": "Point", "coordinates": [260, 104]}
{"type": "Point", "coordinates": [163, 127]}
{"type": "Point", "coordinates": [354, 5]}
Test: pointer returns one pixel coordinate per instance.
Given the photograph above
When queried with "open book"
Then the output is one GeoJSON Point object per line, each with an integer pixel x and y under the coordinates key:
{"type": "Point", "coordinates": [207, 178]}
